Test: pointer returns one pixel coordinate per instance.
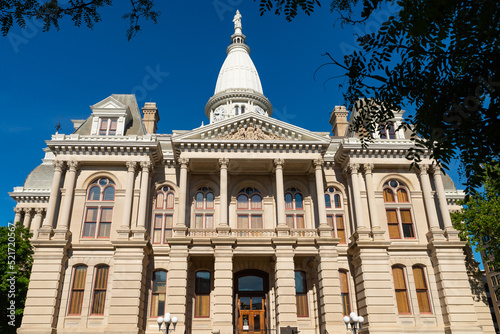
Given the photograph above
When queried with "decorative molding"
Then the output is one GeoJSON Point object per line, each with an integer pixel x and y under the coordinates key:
{"type": "Point", "coordinates": [353, 168]}
{"type": "Point", "coordinates": [73, 165]}
{"type": "Point", "coordinates": [318, 163]}
{"type": "Point", "coordinates": [278, 163]}
{"type": "Point", "coordinates": [58, 165]}
{"type": "Point", "coordinates": [184, 162]}
{"type": "Point", "coordinates": [131, 166]}
{"type": "Point", "coordinates": [223, 163]}
{"type": "Point", "coordinates": [368, 168]}
{"type": "Point", "coordinates": [251, 132]}
{"type": "Point", "coordinates": [146, 165]}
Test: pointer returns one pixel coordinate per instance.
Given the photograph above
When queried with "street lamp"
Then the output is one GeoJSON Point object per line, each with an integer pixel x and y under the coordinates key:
{"type": "Point", "coordinates": [354, 320]}
{"type": "Point", "coordinates": [167, 319]}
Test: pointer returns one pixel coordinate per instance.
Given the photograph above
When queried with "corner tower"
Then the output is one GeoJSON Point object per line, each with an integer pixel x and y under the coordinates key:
{"type": "Point", "coordinates": [238, 89]}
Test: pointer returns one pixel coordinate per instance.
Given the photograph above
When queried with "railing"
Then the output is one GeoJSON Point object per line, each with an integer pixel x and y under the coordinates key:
{"type": "Point", "coordinates": [303, 233]}
{"type": "Point", "coordinates": [252, 233]}
{"type": "Point", "coordinates": [201, 232]}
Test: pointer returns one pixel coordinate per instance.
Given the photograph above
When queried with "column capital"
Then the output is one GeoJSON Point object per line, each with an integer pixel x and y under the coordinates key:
{"type": "Point", "coordinates": [435, 169]}
{"type": "Point", "coordinates": [73, 165]}
{"type": "Point", "coordinates": [131, 166]}
{"type": "Point", "coordinates": [39, 211]}
{"type": "Point", "coordinates": [58, 165]}
{"type": "Point", "coordinates": [318, 163]}
{"type": "Point", "coordinates": [223, 163]}
{"type": "Point", "coordinates": [351, 168]}
{"type": "Point", "coordinates": [18, 210]}
{"type": "Point", "coordinates": [368, 168]}
{"type": "Point", "coordinates": [27, 211]}
{"type": "Point", "coordinates": [146, 165]}
{"type": "Point", "coordinates": [278, 163]}
{"type": "Point", "coordinates": [184, 162]}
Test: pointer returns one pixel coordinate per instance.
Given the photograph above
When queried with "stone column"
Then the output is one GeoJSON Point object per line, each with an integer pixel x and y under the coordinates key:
{"type": "Point", "coordinates": [129, 195]}
{"type": "Point", "coordinates": [143, 198]}
{"type": "Point", "coordinates": [286, 309]}
{"type": "Point", "coordinates": [330, 304]}
{"type": "Point", "coordinates": [37, 220]}
{"type": "Point", "coordinates": [324, 229]}
{"type": "Point", "coordinates": [223, 222]}
{"type": "Point", "coordinates": [17, 217]}
{"type": "Point", "coordinates": [361, 230]}
{"type": "Point", "coordinates": [443, 205]}
{"type": "Point", "coordinates": [376, 230]}
{"type": "Point", "coordinates": [69, 190]}
{"type": "Point", "coordinates": [27, 217]}
{"type": "Point", "coordinates": [280, 193]}
{"type": "Point", "coordinates": [54, 196]}
{"type": "Point", "coordinates": [181, 216]}
{"type": "Point", "coordinates": [177, 284]}
{"type": "Point", "coordinates": [428, 201]}
{"type": "Point", "coordinates": [223, 288]}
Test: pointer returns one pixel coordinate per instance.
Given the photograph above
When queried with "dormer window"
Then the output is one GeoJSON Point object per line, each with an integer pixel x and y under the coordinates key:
{"type": "Point", "coordinates": [108, 126]}
{"type": "Point", "coordinates": [242, 109]}
{"type": "Point", "coordinates": [236, 110]}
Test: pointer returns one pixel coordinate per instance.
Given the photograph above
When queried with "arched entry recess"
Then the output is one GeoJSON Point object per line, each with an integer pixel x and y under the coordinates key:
{"type": "Point", "coordinates": [251, 302]}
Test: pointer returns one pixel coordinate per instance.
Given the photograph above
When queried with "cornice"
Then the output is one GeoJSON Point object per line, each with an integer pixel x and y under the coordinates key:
{"type": "Point", "coordinates": [238, 93]}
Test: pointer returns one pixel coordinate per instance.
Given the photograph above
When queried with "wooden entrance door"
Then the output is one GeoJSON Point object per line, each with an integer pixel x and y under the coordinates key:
{"type": "Point", "coordinates": [252, 315]}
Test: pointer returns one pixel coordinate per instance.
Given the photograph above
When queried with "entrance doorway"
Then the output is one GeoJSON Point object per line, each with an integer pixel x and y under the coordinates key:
{"type": "Point", "coordinates": [251, 302]}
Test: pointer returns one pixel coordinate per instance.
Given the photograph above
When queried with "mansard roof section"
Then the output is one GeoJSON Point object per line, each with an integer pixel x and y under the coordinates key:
{"type": "Point", "coordinates": [251, 126]}
{"type": "Point", "coordinates": [116, 105]}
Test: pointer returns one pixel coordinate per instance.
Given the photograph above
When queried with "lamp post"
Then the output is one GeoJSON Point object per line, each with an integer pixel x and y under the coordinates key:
{"type": "Point", "coordinates": [167, 319]}
{"type": "Point", "coordinates": [354, 320]}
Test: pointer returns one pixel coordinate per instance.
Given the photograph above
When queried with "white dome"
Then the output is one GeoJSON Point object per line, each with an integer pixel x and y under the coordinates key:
{"type": "Point", "coordinates": [238, 72]}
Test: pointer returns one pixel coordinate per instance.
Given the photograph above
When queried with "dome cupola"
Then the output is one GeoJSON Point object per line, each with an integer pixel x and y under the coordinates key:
{"type": "Point", "coordinates": [238, 89]}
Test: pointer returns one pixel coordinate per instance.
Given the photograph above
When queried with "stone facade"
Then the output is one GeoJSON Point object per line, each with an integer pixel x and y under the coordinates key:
{"type": "Point", "coordinates": [248, 224]}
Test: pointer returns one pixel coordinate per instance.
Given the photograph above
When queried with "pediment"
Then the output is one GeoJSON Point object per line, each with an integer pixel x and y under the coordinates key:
{"type": "Point", "coordinates": [252, 126]}
{"type": "Point", "coordinates": [109, 103]}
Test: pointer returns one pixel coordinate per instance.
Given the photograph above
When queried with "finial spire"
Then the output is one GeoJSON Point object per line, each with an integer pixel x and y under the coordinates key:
{"type": "Point", "coordinates": [237, 22]}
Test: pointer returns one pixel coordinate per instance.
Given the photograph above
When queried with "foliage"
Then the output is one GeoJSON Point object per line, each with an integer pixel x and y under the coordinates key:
{"type": "Point", "coordinates": [15, 269]}
{"type": "Point", "coordinates": [52, 11]}
{"type": "Point", "coordinates": [440, 57]}
{"type": "Point", "coordinates": [479, 219]}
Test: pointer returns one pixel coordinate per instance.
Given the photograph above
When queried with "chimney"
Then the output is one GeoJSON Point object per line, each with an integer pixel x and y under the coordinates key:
{"type": "Point", "coordinates": [151, 117]}
{"type": "Point", "coordinates": [338, 120]}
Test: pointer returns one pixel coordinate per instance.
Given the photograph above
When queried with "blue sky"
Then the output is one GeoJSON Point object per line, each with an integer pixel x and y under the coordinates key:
{"type": "Point", "coordinates": [175, 63]}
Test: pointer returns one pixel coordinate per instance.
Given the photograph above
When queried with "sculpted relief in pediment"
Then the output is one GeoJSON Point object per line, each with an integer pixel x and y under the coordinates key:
{"type": "Point", "coordinates": [250, 133]}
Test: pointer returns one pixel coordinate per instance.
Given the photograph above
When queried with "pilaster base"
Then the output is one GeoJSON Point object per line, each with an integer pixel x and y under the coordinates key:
{"type": "Point", "coordinates": [435, 234]}
{"type": "Point", "coordinates": [139, 234]}
{"type": "Point", "coordinates": [362, 233]}
{"type": "Point", "coordinates": [282, 231]}
{"type": "Point", "coordinates": [451, 234]}
{"type": "Point", "coordinates": [44, 233]}
{"type": "Point", "coordinates": [378, 233]}
{"type": "Point", "coordinates": [180, 231]}
{"type": "Point", "coordinates": [61, 234]}
{"type": "Point", "coordinates": [223, 230]}
{"type": "Point", "coordinates": [325, 231]}
{"type": "Point", "coordinates": [123, 233]}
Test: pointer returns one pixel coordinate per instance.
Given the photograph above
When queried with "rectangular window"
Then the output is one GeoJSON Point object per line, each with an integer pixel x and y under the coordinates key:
{"type": "Point", "coordinates": [392, 223]}
{"type": "Point", "coordinates": [77, 290]}
{"type": "Point", "coordinates": [289, 221]}
{"type": "Point", "coordinates": [90, 223]}
{"type": "Point", "coordinates": [401, 292]}
{"type": "Point", "coordinates": [243, 221]}
{"type": "Point", "coordinates": [157, 229]}
{"type": "Point", "coordinates": [158, 293]}
{"type": "Point", "coordinates": [202, 294]}
{"type": "Point", "coordinates": [407, 223]}
{"type": "Point", "coordinates": [169, 223]}
{"type": "Point", "coordinates": [344, 293]}
{"type": "Point", "coordinates": [300, 221]}
{"type": "Point", "coordinates": [105, 222]}
{"type": "Point", "coordinates": [100, 286]}
{"type": "Point", "coordinates": [209, 221]}
{"type": "Point", "coordinates": [198, 221]}
{"type": "Point", "coordinates": [256, 221]}
{"type": "Point", "coordinates": [108, 127]}
{"type": "Point", "coordinates": [340, 228]}
{"type": "Point", "coordinates": [301, 294]}
{"type": "Point", "coordinates": [422, 292]}
{"type": "Point", "coordinates": [103, 129]}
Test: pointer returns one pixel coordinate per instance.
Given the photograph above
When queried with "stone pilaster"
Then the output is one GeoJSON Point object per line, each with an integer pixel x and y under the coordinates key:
{"type": "Point", "coordinates": [330, 303]}
{"type": "Point", "coordinates": [41, 310]}
{"type": "Point", "coordinates": [362, 231]}
{"type": "Point", "coordinates": [223, 288]}
{"type": "Point", "coordinates": [324, 229]}
{"type": "Point", "coordinates": [69, 190]}
{"type": "Point", "coordinates": [48, 223]}
{"type": "Point", "coordinates": [127, 303]}
{"type": "Point", "coordinates": [18, 212]}
{"type": "Point", "coordinates": [180, 225]}
{"type": "Point", "coordinates": [37, 220]}
{"type": "Point", "coordinates": [435, 231]}
{"type": "Point", "coordinates": [140, 231]}
{"type": "Point", "coordinates": [451, 233]}
{"type": "Point", "coordinates": [374, 286]}
{"type": "Point", "coordinates": [448, 262]}
{"type": "Point", "coordinates": [286, 309]}
{"type": "Point", "coordinates": [280, 198]}
{"type": "Point", "coordinates": [124, 230]}
{"type": "Point", "coordinates": [177, 284]}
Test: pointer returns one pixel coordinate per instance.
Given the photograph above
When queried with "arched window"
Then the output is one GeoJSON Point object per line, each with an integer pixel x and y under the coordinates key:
{"type": "Point", "coordinates": [335, 213]}
{"type": "Point", "coordinates": [249, 207]}
{"type": "Point", "coordinates": [100, 287]}
{"type": "Point", "coordinates": [204, 208]}
{"type": "Point", "coordinates": [294, 205]}
{"type": "Point", "coordinates": [387, 131]}
{"type": "Point", "coordinates": [158, 293]}
{"type": "Point", "coordinates": [398, 210]}
{"type": "Point", "coordinates": [99, 209]}
{"type": "Point", "coordinates": [236, 110]}
{"type": "Point", "coordinates": [401, 290]}
{"type": "Point", "coordinates": [77, 290]}
{"type": "Point", "coordinates": [163, 216]}
{"type": "Point", "coordinates": [422, 290]}
{"type": "Point", "coordinates": [301, 294]}
{"type": "Point", "coordinates": [344, 292]}
{"type": "Point", "coordinates": [202, 294]}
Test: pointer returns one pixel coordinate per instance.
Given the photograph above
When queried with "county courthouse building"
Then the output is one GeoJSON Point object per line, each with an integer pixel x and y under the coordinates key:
{"type": "Point", "coordinates": [245, 225]}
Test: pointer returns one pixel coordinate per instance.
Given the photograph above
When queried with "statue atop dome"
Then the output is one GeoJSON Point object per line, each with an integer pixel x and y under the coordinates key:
{"type": "Point", "coordinates": [237, 21]}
